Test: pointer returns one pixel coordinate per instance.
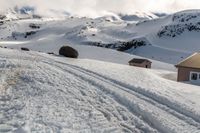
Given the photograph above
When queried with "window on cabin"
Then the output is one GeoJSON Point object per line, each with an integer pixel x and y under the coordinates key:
{"type": "Point", "coordinates": [194, 76]}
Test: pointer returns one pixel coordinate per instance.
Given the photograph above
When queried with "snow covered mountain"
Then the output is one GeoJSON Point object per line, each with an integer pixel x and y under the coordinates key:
{"type": "Point", "coordinates": [169, 38]}
{"type": "Point", "coordinates": [26, 12]}
{"type": "Point", "coordinates": [138, 16]}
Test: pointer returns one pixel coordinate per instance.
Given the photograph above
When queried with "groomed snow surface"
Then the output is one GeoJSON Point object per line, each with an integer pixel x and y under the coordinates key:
{"type": "Point", "coordinates": [52, 94]}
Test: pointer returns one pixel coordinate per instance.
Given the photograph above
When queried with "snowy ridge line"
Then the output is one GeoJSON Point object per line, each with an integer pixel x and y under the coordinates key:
{"type": "Point", "coordinates": [135, 107]}
{"type": "Point", "coordinates": [147, 95]}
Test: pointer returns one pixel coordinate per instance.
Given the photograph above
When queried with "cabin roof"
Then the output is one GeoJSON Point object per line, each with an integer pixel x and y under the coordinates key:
{"type": "Point", "coordinates": [138, 61]}
{"type": "Point", "coordinates": [192, 61]}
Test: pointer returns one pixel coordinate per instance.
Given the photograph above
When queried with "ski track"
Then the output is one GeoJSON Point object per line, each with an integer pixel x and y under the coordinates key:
{"type": "Point", "coordinates": [163, 103]}
{"type": "Point", "coordinates": [118, 107]}
{"type": "Point", "coordinates": [176, 115]}
{"type": "Point", "coordinates": [127, 121]}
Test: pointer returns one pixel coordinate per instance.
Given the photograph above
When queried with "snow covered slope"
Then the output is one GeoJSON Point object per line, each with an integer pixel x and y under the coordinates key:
{"type": "Point", "coordinates": [176, 35]}
{"type": "Point", "coordinates": [43, 93]}
{"type": "Point", "coordinates": [169, 39]}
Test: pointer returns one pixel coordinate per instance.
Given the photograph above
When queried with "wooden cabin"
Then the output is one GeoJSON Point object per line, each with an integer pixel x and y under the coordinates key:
{"type": "Point", "coordinates": [189, 69]}
{"type": "Point", "coordinates": [140, 63]}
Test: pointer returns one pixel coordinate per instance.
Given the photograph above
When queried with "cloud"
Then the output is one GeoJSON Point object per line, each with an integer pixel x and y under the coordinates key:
{"type": "Point", "coordinates": [101, 7]}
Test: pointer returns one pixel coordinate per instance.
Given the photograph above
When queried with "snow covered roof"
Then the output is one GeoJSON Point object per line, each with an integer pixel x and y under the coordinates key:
{"type": "Point", "coordinates": [192, 61]}
{"type": "Point", "coordinates": [138, 61]}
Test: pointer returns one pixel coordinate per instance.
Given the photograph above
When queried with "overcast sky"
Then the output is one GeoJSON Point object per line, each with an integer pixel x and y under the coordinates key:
{"type": "Point", "coordinates": [99, 7]}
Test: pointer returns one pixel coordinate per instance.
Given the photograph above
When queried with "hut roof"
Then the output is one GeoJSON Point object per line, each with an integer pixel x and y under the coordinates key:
{"type": "Point", "coordinates": [138, 61]}
{"type": "Point", "coordinates": [192, 61]}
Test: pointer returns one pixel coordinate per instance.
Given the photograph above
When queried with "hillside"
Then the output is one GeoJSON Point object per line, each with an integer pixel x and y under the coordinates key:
{"type": "Point", "coordinates": [169, 39]}
{"type": "Point", "coordinates": [44, 93]}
